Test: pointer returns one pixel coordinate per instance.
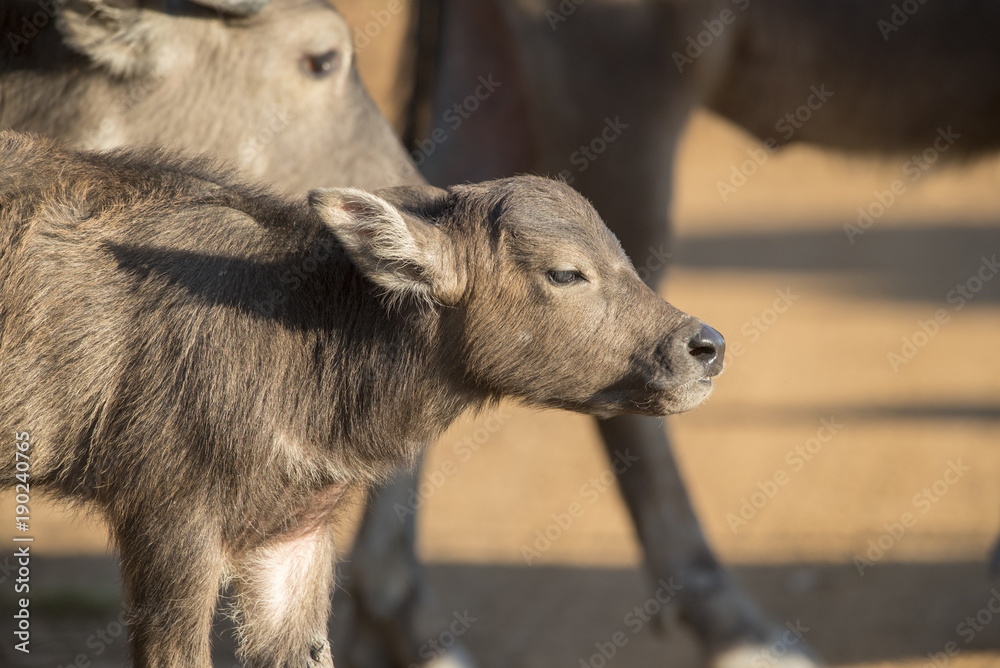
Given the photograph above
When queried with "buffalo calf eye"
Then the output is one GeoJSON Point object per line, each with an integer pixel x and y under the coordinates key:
{"type": "Point", "coordinates": [322, 65]}
{"type": "Point", "coordinates": [564, 276]}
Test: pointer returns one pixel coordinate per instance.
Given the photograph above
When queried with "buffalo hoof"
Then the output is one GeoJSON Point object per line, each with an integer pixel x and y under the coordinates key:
{"type": "Point", "coordinates": [752, 655]}
{"type": "Point", "coordinates": [456, 657]}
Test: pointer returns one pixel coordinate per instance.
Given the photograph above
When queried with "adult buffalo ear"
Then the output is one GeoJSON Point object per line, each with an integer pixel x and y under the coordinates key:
{"type": "Point", "coordinates": [396, 246]}
{"type": "Point", "coordinates": [234, 7]}
{"type": "Point", "coordinates": [120, 36]}
{"type": "Point", "coordinates": [113, 34]}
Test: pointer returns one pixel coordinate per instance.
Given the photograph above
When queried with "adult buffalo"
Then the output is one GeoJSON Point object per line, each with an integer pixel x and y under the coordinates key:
{"type": "Point", "coordinates": [599, 93]}
{"type": "Point", "coordinates": [270, 87]}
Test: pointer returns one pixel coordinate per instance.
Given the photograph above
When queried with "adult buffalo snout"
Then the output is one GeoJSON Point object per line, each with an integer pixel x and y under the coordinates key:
{"type": "Point", "coordinates": [708, 347]}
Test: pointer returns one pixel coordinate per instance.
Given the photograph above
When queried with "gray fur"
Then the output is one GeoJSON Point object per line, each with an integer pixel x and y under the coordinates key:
{"type": "Point", "coordinates": [894, 85]}
{"type": "Point", "coordinates": [213, 367]}
{"type": "Point", "coordinates": [235, 7]}
{"type": "Point", "coordinates": [94, 75]}
{"type": "Point", "coordinates": [103, 74]}
{"type": "Point", "coordinates": [567, 67]}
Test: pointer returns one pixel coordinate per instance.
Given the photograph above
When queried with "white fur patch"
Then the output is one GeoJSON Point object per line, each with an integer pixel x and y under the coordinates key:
{"type": "Point", "coordinates": [284, 571]}
{"type": "Point", "coordinates": [274, 581]}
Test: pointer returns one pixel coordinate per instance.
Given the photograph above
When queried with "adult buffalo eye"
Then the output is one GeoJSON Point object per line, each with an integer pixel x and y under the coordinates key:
{"type": "Point", "coordinates": [322, 65]}
{"type": "Point", "coordinates": [565, 276]}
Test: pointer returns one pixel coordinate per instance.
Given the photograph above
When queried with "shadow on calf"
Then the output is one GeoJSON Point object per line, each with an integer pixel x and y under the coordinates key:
{"type": "Point", "coordinates": [213, 368]}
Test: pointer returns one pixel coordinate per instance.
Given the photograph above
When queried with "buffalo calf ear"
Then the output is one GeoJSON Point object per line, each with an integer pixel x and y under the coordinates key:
{"type": "Point", "coordinates": [422, 201]}
{"type": "Point", "coordinates": [403, 254]}
{"type": "Point", "coordinates": [112, 34]}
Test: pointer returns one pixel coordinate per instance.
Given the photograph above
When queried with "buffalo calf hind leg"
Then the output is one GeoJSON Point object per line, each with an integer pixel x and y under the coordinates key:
{"type": "Point", "coordinates": [727, 621]}
{"type": "Point", "coordinates": [282, 592]}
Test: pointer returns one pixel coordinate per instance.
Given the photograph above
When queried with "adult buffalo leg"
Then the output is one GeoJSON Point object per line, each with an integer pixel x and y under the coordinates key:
{"type": "Point", "coordinates": [729, 624]}
{"type": "Point", "coordinates": [637, 109]}
{"type": "Point", "coordinates": [635, 203]}
{"type": "Point", "coordinates": [386, 614]}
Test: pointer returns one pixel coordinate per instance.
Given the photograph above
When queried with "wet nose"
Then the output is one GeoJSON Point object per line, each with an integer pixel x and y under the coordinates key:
{"type": "Point", "coordinates": [709, 348]}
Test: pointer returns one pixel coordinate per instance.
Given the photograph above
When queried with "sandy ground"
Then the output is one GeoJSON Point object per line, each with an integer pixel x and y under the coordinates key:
{"type": "Point", "coordinates": [826, 357]}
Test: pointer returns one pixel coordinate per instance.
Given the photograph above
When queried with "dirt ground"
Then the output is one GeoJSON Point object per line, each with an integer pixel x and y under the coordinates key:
{"type": "Point", "coordinates": [914, 443]}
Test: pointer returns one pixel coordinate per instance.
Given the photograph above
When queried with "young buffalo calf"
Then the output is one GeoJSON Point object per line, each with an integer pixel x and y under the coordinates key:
{"type": "Point", "coordinates": [213, 367]}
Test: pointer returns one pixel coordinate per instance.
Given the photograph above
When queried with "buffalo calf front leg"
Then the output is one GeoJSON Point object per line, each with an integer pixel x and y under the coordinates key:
{"type": "Point", "coordinates": [171, 601]}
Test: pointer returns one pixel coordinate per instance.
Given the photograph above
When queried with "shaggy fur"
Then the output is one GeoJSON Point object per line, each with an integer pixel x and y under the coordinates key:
{"type": "Point", "coordinates": [212, 367]}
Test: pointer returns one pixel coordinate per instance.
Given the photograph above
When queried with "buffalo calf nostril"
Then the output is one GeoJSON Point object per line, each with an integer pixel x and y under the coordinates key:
{"type": "Point", "coordinates": [707, 345]}
{"type": "Point", "coordinates": [706, 353]}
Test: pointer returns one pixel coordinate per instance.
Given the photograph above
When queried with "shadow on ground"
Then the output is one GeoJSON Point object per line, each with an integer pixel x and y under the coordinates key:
{"type": "Point", "coordinates": [911, 412]}
{"type": "Point", "coordinates": [915, 263]}
{"type": "Point", "coordinates": [550, 616]}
